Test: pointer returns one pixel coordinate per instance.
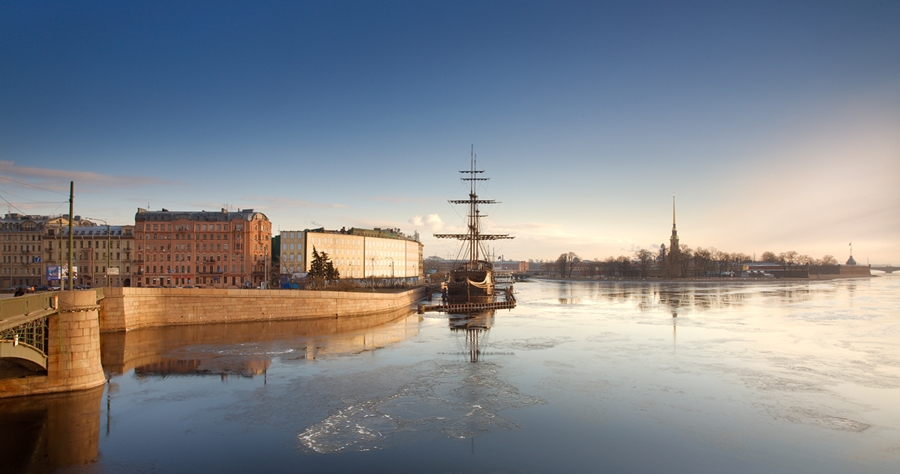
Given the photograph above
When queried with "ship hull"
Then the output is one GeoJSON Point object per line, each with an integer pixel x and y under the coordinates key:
{"type": "Point", "coordinates": [471, 285]}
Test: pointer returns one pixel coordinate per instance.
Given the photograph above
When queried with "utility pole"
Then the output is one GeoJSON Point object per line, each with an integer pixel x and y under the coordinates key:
{"type": "Point", "coordinates": [71, 272]}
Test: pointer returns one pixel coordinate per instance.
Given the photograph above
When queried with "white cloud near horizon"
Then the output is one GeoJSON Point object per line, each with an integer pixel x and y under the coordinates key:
{"type": "Point", "coordinates": [58, 179]}
{"type": "Point", "coordinates": [432, 221]}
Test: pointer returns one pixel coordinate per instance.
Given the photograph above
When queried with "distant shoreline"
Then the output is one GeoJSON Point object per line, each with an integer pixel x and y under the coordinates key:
{"type": "Point", "coordinates": [707, 280]}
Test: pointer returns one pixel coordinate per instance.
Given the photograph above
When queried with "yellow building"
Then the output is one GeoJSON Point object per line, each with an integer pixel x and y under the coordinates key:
{"type": "Point", "coordinates": [20, 248]}
{"type": "Point", "coordinates": [97, 249]}
{"type": "Point", "coordinates": [355, 253]}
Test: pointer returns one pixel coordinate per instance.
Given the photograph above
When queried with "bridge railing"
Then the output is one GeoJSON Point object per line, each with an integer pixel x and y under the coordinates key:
{"type": "Point", "coordinates": [15, 311]}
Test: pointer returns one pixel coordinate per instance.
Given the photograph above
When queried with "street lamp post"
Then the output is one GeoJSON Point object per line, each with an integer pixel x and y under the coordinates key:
{"type": "Point", "coordinates": [392, 271]}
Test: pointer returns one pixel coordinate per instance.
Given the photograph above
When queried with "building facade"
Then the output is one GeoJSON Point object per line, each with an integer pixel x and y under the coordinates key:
{"type": "Point", "coordinates": [222, 249]}
{"type": "Point", "coordinates": [355, 253]}
{"type": "Point", "coordinates": [20, 248]}
{"type": "Point", "coordinates": [103, 255]}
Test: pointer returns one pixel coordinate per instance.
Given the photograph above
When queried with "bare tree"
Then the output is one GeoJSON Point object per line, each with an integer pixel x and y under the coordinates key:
{"type": "Point", "coordinates": [644, 258]}
{"type": "Point", "coordinates": [561, 265]}
{"type": "Point", "coordinates": [685, 256]}
{"type": "Point", "coordinates": [573, 259]}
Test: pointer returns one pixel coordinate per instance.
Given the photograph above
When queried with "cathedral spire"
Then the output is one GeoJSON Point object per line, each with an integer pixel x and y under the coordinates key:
{"type": "Point", "coordinates": [673, 212]}
{"type": "Point", "coordinates": [673, 241]}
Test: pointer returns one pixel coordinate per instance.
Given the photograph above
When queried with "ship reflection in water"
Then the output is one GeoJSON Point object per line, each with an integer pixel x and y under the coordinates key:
{"type": "Point", "coordinates": [475, 329]}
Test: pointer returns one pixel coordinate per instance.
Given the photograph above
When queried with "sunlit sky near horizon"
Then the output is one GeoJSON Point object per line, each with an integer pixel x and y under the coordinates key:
{"type": "Point", "coordinates": [775, 124]}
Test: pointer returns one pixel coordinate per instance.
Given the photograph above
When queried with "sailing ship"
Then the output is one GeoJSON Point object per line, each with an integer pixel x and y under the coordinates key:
{"type": "Point", "coordinates": [473, 280]}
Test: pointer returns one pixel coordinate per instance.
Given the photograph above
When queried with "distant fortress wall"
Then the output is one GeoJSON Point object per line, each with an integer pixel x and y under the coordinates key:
{"type": "Point", "coordinates": [124, 309]}
{"type": "Point", "coordinates": [855, 270]}
{"type": "Point", "coordinates": [842, 270]}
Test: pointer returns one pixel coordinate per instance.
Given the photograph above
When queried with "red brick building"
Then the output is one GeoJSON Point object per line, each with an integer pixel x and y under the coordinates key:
{"type": "Point", "coordinates": [212, 249]}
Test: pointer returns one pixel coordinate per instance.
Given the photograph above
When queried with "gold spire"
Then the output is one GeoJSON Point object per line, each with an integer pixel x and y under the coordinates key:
{"type": "Point", "coordinates": [673, 211]}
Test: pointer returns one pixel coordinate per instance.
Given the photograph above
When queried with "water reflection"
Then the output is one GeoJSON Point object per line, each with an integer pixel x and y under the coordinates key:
{"type": "Point", "coordinates": [246, 349]}
{"type": "Point", "coordinates": [474, 327]}
{"type": "Point", "coordinates": [42, 433]}
{"type": "Point", "coordinates": [689, 295]}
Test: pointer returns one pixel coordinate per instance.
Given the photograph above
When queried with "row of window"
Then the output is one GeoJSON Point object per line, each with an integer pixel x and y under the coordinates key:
{"type": "Point", "coordinates": [186, 227]}
{"type": "Point", "coordinates": [20, 237]}
{"type": "Point", "coordinates": [16, 248]}
{"type": "Point", "coordinates": [199, 247]}
{"type": "Point", "coordinates": [80, 244]}
{"type": "Point", "coordinates": [21, 259]}
{"type": "Point", "coordinates": [188, 281]}
{"type": "Point", "coordinates": [187, 269]}
{"type": "Point", "coordinates": [188, 237]}
{"type": "Point", "coordinates": [179, 257]}
{"type": "Point", "coordinates": [25, 271]}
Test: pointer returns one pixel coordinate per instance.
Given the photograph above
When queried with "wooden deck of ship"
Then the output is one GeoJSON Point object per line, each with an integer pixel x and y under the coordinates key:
{"type": "Point", "coordinates": [508, 303]}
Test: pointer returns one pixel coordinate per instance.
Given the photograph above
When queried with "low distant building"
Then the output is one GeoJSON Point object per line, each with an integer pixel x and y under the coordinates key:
{"type": "Point", "coordinates": [777, 270]}
{"type": "Point", "coordinates": [355, 253]}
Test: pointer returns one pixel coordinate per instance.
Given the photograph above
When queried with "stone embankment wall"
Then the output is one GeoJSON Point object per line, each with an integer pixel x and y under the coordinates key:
{"type": "Point", "coordinates": [73, 352]}
{"type": "Point", "coordinates": [124, 309]}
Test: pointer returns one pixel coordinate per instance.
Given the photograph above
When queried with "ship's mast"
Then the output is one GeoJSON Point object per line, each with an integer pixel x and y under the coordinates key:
{"type": "Point", "coordinates": [473, 235]}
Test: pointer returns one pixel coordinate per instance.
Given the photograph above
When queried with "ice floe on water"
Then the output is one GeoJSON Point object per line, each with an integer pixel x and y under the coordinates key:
{"type": "Point", "coordinates": [438, 398]}
{"type": "Point", "coordinates": [533, 343]}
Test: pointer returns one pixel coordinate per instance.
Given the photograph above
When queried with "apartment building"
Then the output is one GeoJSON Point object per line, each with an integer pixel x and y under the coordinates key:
{"type": "Point", "coordinates": [102, 254]}
{"type": "Point", "coordinates": [356, 253]}
{"type": "Point", "coordinates": [221, 249]}
{"type": "Point", "coordinates": [20, 248]}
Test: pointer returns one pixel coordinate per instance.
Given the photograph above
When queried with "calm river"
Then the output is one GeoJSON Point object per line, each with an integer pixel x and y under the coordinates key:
{"type": "Point", "coordinates": [580, 377]}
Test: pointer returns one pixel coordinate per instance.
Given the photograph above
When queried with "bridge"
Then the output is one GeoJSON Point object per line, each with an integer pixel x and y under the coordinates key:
{"type": "Point", "coordinates": [23, 329]}
{"type": "Point", "coordinates": [888, 268]}
{"type": "Point", "coordinates": [50, 342]}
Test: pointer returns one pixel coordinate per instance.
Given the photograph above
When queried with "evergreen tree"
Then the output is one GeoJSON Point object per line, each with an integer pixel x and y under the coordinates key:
{"type": "Point", "coordinates": [331, 273]}
{"type": "Point", "coordinates": [321, 269]}
{"type": "Point", "coordinates": [317, 267]}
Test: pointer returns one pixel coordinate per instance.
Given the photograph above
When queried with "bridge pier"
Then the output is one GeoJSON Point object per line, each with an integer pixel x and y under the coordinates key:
{"type": "Point", "coordinates": [73, 350]}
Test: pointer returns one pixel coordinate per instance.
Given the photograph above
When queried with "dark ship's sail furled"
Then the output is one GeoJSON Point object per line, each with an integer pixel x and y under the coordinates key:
{"type": "Point", "coordinates": [473, 280]}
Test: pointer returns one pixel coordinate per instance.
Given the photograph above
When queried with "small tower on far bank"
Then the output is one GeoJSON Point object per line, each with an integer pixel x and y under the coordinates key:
{"type": "Point", "coordinates": [851, 261]}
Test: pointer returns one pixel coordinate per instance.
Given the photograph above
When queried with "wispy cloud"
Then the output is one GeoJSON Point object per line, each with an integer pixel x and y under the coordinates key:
{"type": "Point", "coordinates": [268, 202]}
{"type": "Point", "coordinates": [58, 179]}
{"type": "Point", "coordinates": [399, 199]}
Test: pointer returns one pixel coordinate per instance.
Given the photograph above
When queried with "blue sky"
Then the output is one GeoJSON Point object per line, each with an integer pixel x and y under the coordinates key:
{"type": "Point", "coordinates": [777, 125]}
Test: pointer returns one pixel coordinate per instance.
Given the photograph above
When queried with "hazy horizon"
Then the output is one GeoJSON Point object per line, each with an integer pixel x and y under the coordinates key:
{"type": "Point", "coordinates": [775, 124]}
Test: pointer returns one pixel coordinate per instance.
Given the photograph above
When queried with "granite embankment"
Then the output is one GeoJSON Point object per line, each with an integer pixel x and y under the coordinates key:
{"type": "Point", "coordinates": [124, 309]}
